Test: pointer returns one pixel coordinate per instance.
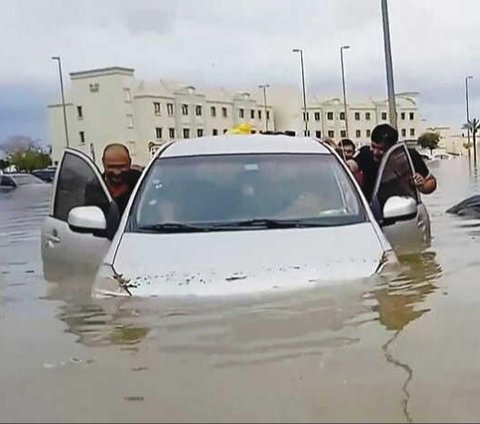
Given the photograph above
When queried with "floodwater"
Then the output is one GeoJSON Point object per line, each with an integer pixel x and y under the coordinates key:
{"type": "Point", "coordinates": [403, 349]}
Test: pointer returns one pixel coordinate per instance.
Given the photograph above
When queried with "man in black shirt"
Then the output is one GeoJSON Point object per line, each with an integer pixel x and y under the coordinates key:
{"type": "Point", "coordinates": [368, 159]}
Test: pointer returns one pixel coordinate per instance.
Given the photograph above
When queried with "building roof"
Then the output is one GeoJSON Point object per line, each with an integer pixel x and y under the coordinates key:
{"type": "Point", "coordinates": [245, 144]}
{"type": "Point", "coordinates": [112, 70]}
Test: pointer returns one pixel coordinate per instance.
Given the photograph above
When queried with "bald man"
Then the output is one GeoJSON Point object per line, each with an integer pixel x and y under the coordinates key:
{"type": "Point", "coordinates": [119, 175]}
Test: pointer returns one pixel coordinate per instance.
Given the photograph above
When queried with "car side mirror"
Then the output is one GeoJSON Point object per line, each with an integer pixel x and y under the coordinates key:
{"type": "Point", "coordinates": [399, 208]}
{"type": "Point", "coordinates": [88, 220]}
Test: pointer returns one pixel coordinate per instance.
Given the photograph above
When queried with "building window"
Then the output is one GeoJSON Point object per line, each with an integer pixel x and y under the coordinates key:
{"type": "Point", "coordinates": [343, 133]}
{"type": "Point", "coordinates": [318, 134]}
{"type": "Point", "coordinates": [241, 112]}
{"type": "Point", "coordinates": [130, 121]}
{"type": "Point", "coordinates": [156, 108]}
{"type": "Point", "coordinates": [158, 133]}
{"type": "Point", "coordinates": [306, 133]}
{"type": "Point", "coordinates": [357, 116]}
{"type": "Point", "coordinates": [404, 132]}
{"type": "Point", "coordinates": [358, 133]}
{"type": "Point", "coordinates": [94, 87]}
{"type": "Point", "coordinates": [213, 111]}
{"type": "Point", "coordinates": [331, 133]}
{"type": "Point", "coordinates": [198, 110]}
{"type": "Point", "coordinates": [412, 116]}
{"type": "Point", "coordinates": [384, 116]}
{"type": "Point", "coordinates": [225, 130]}
{"type": "Point", "coordinates": [184, 109]}
{"type": "Point", "coordinates": [259, 114]}
{"type": "Point", "coordinates": [367, 116]}
{"type": "Point", "coordinates": [330, 116]}
{"type": "Point", "coordinates": [186, 133]}
{"type": "Point", "coordinates": [252, 114]}
{"type": "Point", "coordinates": [170, 109]}
{"type": "Point", "coordinates": [368, 133]}
{"type": "Point", "coordinates": [306, 116]}
{"type": "Point", "coordinates": [128, 95]}
{"type": "Point", "coordinates": [402, 115]}
{"type": "Point", "coordinates": [224, 112]}
{"type": "Point", "coordinates": [412, 132]}
{"type": "Point", "coordinates": [80, 112]}
{"type": "Point", "coordinates": [214, 131]}
{"type": "Point", "coordinates": [317, 116]}
{"type": "Point", "coordinates": [342, 116]}
{"type": "Point", "coordinates": [199, 132]}
{"type": "Point", "coordinates": [171, 132]}
{"type": "Point", "coordinates": [82, 137]}
{"type": "Point", "coordinates": [268, 115]}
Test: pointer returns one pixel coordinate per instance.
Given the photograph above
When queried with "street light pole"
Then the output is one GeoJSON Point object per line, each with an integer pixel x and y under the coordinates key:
{"type": "Point", "coordinates": [57, 58]}
{"type": "Point", "coordinates": [469, 77]}
{"type": "Point", "coordinates": [304, 91]}
{"type": "Point", "coordinates": [388, 65]}
{"type": "Point", "coordinates": [344, 89]}
{"type": "Point", "coordinates": [265, 86]}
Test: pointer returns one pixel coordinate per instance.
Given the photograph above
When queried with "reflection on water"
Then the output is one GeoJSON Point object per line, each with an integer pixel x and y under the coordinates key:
{"type": "Point", "coordinates": [285, 357]}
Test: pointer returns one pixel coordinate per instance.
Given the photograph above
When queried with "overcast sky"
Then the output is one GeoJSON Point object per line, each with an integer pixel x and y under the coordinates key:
{"type": "Point", "coordinates": [235, 43]}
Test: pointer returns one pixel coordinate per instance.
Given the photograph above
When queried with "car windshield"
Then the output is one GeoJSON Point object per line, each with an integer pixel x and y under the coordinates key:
{"type": "Point", "coordinates": [243, 191]}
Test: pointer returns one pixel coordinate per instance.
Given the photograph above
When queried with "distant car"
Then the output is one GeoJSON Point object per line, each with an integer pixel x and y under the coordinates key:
{"type": "Point", "coordinates": [229, 215]}
{"type": "Point", "coordinates": [47, 174]}
{"type": "Point", "coordinates": [10, 181]}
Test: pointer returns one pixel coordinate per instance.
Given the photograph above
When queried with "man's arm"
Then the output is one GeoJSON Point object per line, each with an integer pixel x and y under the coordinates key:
{"type": "Point", "coordinates": [426, 183]}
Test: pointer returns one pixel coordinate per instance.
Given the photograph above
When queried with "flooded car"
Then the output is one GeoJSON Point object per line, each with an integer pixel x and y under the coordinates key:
{"type": "Point", "coordinates": [11, 181]}
{"type": "Point", "coordinates": [231, 215]}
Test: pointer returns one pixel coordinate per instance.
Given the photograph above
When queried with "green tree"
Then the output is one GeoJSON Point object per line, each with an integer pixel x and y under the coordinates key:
{"type": "Point", "coordinates": [473, 126]}
{"type": "Point", "coordinates": [429, 140]}
{"type": "Point", "coordinates": [25, 154]}
{"type": "Point", "coordinates": [3, 163]}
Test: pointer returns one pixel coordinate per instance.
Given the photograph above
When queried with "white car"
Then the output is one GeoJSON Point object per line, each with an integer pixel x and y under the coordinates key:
{"type": "Point", "coordinates": [230, 215]}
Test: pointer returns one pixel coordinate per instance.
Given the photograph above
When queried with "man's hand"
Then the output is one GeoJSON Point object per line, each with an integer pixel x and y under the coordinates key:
{"type": "Point", "coordinates": [425, 185]}
{"type": "Point", "coordinates": [419, 180]}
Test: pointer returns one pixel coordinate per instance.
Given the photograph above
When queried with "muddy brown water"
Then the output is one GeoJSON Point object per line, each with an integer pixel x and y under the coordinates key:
{"type": "Point", "coordinates": [402, 349]}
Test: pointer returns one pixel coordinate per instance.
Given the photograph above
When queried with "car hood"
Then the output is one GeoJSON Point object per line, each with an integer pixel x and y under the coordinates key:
{"type": "Point", "coordinates": [239, 262]}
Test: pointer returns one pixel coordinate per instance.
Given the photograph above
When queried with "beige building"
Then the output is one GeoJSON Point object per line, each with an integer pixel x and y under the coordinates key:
{"type": "Point", "coordinates": [326, 116]}
{"type": "Point", "coordinates": [110, 105]}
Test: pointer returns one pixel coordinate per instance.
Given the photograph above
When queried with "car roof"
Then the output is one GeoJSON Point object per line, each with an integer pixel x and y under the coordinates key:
{"type": "Point", "coordinates": [244, 144]}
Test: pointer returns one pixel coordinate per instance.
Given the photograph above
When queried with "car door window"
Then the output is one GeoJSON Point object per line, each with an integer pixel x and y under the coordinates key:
{"type": "Point", "coordinates": [395, 177]}
{"type": "Point", "coordinates": [78, 184]}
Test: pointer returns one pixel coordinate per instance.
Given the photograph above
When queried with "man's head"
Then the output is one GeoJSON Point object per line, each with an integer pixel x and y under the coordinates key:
{"type": "Point", "coordinates": [116, 160]}
{"type": "Point", "coordinates": [346, 147]}
{"type": "Point", "coordinates": [383, 137]}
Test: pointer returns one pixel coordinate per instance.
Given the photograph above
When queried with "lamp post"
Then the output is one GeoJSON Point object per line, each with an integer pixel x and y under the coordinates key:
{"type": "Point", "coordinates": [469, 77]}
{"type": "Point", "coordinates": [57, 58]}
{"type": "Point", "coordinates": [304, 91]}
{"type": "Point", "coordinates": [388, 66]}
{"type": "Point", "coordinates": [264, 87]}
{"type": "Point", "coordinates": [343, 87]}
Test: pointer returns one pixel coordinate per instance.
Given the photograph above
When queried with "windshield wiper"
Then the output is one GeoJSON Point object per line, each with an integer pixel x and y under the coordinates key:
{"type": "Point", "coordinates": [174, 227]}
{"type": "Point", "coordinates": [270, 223]}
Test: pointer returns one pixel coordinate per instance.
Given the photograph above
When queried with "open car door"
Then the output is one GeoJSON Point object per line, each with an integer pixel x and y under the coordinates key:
{"type": "Point", "coordinates": [397, 204]}
{"type": "Point", "coordinates": [66, 253]}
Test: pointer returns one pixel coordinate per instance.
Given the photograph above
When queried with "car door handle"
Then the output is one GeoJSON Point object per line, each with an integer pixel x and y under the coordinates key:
{"type": "Point", "coordinates": [53, 238]}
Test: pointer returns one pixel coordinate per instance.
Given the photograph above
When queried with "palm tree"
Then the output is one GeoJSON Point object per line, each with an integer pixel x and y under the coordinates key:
{"type": "Point", "coordinates": [473, 125]}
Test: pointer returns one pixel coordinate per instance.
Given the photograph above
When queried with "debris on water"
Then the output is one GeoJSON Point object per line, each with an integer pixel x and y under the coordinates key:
{"type": "Point", "coordinates": [139, 369]}
{"type": "Point", "coordinates": [134, 398]}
